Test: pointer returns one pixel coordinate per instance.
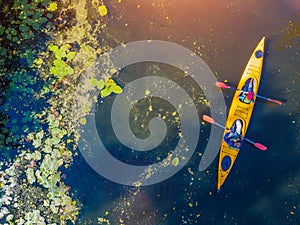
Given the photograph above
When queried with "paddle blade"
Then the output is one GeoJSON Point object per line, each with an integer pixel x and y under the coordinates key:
{"type": "Point", "coordinates": [222, 85]}
{"type": "Point", "coordinates": [275, 101]}
{"type": "Point", "coordinates": [208, 119]}
{"type": "Point", "coordinates": [260, 146]}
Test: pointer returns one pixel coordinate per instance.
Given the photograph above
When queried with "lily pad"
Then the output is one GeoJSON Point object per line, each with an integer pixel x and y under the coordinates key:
{"type": "Point", "coordinates": [102, 10]}
{"type": "Point", "coordinates": [60, 53]}
{"type": "Point", "coordinates": [37, 143]}
{"type": "Point", "coordinates": [30, 175]}
{"type": "Point", "coordinates": [105, 92]}
{"type": "Point", "coordinates": [93, 81]}
{"type": "Point", "coordinates": [175, 161]}
{"type": "Point", "coordinates": [52, 6]}
{"type": "Point", "coordinates": [83, 121]}
{"type": "Point", "coordinates": [70, 55]}
{"type": "Point", "coordinates": [35, 156]}
{"type": "Point", "coordinates": [97, 83]}
{"type": "Point", "coordinates": [117, 89]}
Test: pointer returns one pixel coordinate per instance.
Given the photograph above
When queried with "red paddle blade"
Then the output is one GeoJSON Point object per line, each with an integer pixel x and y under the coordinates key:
{"type": "Point", "coordinates": [222, 85]}
{"type": "Point", "coordinates": [208, 119]}
{"type": "Point", "coordinates": [275, 101]}
{"type": "Point", "coordinates": [260, 146]}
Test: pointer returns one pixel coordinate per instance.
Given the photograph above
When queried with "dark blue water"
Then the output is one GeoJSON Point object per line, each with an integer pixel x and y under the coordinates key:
{"type": "Point", "coordinates": [263, 187]}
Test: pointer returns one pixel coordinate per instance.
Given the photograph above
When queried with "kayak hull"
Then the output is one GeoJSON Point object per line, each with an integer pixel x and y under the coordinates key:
{"type": "Point", "coordinates": [241, 109]}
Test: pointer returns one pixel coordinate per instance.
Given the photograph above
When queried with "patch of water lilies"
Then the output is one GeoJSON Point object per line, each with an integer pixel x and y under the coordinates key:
{"type": "Point", "coordinates": [31, 18]}
{"type": "Point", "coordinates": [31, 204]}
{"type": "Point", "coordinates": [31, 188]}
{"type": "Point", "coordinates": [63, 56]}
{"type": "Point", "coordinates": [39, 127]}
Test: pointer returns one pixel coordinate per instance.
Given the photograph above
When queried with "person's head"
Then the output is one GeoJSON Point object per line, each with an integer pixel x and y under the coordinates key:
{"type": "Point", "coordinates": [237, 143]}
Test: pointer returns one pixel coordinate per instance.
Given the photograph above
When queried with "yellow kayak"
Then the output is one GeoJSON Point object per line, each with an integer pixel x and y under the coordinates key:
{"type": "Point", "coordinates": [239, 114]}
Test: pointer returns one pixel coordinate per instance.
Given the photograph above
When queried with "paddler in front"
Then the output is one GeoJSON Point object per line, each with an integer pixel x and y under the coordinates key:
{"type": "Point", "coordinates": [247, 92]}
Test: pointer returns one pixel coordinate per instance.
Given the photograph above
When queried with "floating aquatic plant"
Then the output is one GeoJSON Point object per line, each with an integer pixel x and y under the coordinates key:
{"type": "Point", "coordinates": [102, 9]}
{"type": "Point", "coordinates": [33, 217]}
{"type": "Point", "coordinates": [175, 161]}
{"type": "Point", "coordinates": [52, 6]}
{"type": "Point", "coordinates": [106, 88]}
{"type": "Point", "coordinates": [29, 56]}
{"type": "Point", "coordinates": [110, 87]}
{"type": "Point", "coordinates": [97, 83]}
{"type": "Point", "coordinates": [60, 68]}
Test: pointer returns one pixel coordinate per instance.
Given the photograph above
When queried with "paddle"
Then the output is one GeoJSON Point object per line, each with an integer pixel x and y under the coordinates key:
{"type": "Point", "coordinates": [212, 121]}
{"type": "Point", "coordinates": [225, 86]}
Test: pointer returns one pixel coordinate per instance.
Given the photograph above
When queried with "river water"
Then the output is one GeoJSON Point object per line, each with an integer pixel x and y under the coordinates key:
{"type": "Point", "coordinates": [263, 187]}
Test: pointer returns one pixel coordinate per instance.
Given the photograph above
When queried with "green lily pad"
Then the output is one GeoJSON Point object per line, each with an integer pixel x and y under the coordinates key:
{"type": "Point", "coordinates": [55, 131]}
{"type": "Point", "coordinates": [54, 124]}
{"type": "Point", "coordinates": [36, 25]}
{"type": "Point", "coordinates": [53, 48]}
{"type": "Point", "coordinates": [40, 134]}
{"type": "Point", "coordinates": [61, 69]}
{"type": "Point", "coordinates": [60, 53]}
{"type": "Point", "coordinates": [105, 92]}
{"type": "Point", "coordinates": [100, 84]}
{"type": "Point", "coordinates": [83, 121]}
{"type": "Point", "coordinates": [30, 175]}
{"type": "Point", "coordinates": [71, 55]}
{"type": "Point", "coordinates": [94, 81]}
{"type": "Point", "coordinates": [39, 61]}
{"type": "Point", "coordinates": [37, 143]}
{"type": "Point", "coordinates": [35, 156]}
{"type": "Point", "coordinates": [97, 83]}
{"type": "Point", "coordinates": [34, 217]}
{"type": "Point", "coordinates": [46, 202]}
{"type": "Point", "coordinates": [175, 161]}
{"type": "Point", "coordinates": [28, 35]}
{"type": "Point", "coordinates": [47, 148]}
{"type": "Point", "coordinates": [117, 89]}
{"type": "Point", "coordinates": [55, 140]}
{"type": "Point", "coordinates": [59, 63]}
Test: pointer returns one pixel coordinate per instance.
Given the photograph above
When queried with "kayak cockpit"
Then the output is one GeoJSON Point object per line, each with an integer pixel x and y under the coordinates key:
{"type": "Point", "coordinates": [234, 137]}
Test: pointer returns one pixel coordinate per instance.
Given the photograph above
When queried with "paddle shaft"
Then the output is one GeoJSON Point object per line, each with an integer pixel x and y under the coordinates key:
{"type": "Point", "coordinates": [258, 96]}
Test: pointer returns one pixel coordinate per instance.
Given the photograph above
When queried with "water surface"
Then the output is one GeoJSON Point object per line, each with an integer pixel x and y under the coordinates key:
{"type": "Point", "coordinates": [263, 187]}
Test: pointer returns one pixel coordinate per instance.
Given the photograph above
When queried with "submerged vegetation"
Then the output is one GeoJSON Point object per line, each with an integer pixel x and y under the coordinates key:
{"type": "Point", "coordinates": [43, 56]}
